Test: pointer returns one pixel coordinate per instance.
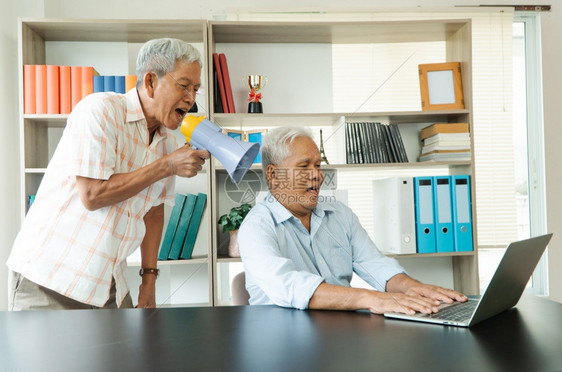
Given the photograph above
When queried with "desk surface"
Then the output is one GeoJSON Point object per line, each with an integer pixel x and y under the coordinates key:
{"type": "Point", "coordinates": [266, 338]}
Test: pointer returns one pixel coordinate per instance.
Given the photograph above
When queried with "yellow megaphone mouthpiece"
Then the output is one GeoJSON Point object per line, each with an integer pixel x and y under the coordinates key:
{"type": "Point", "coordinates": [188, 125]}
{"type": "Point", "coordinates": [236, 156]}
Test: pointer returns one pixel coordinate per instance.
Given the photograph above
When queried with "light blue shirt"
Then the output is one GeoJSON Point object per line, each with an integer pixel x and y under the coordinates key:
{"type": "Point", "coordinates": [285, 263]}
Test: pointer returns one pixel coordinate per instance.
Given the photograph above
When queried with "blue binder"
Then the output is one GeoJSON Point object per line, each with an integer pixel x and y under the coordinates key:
{"type": "Point", "coordinates": [108, 83]}
{"type": "Point", "coordinates": [98, 83]}
{"type": "Point", "coordinates": [462, 213]}
{"type": "Point", "coordinates": [444, 240]}
{"type": "Point", "coordinates": [425, 225]}
{"type": "Point", "coordinates": [120, 84]}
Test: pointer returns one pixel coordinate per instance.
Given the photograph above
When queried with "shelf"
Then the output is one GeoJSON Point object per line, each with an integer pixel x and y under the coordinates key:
{"type": "Point", "coordinates": [391, 117]}
{"type": "Point", "coordinates": [430, 255]}
{"type": "Point", "coordinates": [224, 259]}
{"type": "Point", "coordinates": [35, 170]}
{"type": "Point", "coordinates": [52, 120]}
{"type": "Point", "coordinates": [192, 261]}
{"type": "Point", "coordinates": [411, 165]}
{"type": "Point", "coordinates": [40, 132]}
{"type": "Point", "coordinates": [132, 31]}
{"type": "Point", "coordinates": [334, 32]}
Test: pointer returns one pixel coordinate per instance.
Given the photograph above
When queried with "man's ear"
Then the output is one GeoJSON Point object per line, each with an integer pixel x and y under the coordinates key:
{"type": "Point", "coordinates": [149, 82]}
{"type": "Point", "coordinates": [270, 173]}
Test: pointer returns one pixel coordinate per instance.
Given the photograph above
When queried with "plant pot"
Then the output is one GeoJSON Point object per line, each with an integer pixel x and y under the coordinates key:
{"type": "Point", "coordinates": [233, 250]}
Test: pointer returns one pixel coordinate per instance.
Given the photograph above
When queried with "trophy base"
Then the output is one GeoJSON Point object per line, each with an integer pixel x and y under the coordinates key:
{"type": "Point", "coordinates": [255, 108]}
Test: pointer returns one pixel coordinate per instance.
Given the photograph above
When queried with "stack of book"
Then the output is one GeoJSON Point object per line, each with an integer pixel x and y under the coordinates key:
{"type": "Point", "coordinates": [114, 83]}
{"type": "Point", "coordinates": [52, 89]}
{"type": "Point", "coordinates": [183, 226]}
{"type": "Point", "coordinates": [223, 99]}
{"type": "Point", "coordinates": [374, 143]}
{"type": "Point", "coordinates": [445, 142]}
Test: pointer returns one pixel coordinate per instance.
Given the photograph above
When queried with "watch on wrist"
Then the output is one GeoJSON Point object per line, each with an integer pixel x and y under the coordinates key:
{"type": "Point", "coordinates": [144, 271]}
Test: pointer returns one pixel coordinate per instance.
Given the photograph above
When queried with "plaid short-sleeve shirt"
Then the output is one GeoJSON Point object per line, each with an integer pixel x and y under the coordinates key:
{"type": "Point", "coordinates": [62, 245]}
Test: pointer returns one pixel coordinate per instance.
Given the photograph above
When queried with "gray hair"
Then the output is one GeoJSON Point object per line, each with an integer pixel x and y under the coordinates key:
{"type": "Point", "coordinates": [277, 142]}
{"type": "Point", "coordinates": [160, 56]}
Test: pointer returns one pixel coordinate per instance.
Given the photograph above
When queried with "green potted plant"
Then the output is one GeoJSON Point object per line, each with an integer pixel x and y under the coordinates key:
{"type": "Point", "coordinates": [231, 222]}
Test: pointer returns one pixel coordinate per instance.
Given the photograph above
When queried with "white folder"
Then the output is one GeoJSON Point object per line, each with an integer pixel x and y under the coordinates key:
{"type": "Point", "coordinates": [394, 219]}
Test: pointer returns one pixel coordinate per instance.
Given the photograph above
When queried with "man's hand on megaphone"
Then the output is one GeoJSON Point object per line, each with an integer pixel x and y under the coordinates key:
{"type": "Point", "coordinates": [187, 162]}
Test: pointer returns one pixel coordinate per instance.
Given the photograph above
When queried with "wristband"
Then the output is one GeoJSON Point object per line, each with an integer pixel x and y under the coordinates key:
{"type": "Point", "coordinates": [144, 271]}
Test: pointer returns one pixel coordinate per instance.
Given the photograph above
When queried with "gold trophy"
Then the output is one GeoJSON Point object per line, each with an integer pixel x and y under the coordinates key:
{"type": "Point", "coordinates": [255, 82]}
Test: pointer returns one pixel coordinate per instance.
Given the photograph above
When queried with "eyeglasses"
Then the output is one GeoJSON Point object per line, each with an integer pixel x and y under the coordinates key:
{"type": "Point", "coordinates": [190, 89]}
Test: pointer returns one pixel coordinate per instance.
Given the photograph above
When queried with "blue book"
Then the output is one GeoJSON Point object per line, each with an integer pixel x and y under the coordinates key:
{"type": "Point", "coordinates": [171, 228]}
{"type": "Point", "coordinates": [108, 83]}
{"type": "Point", "coordinates": [183, 224]}
{"type": "Point", "coordinates": [194, 224]}
{"type": "Point", "coordinates": [444, 231]}
{"type": "Point", "coordinates": [120, 84]}
{"type": "Point", "coordinates": [462, 213]}
{"type": "Point", "coordinates": [98, 84]}
{"type": "Point", "coordinates": [425, 224]}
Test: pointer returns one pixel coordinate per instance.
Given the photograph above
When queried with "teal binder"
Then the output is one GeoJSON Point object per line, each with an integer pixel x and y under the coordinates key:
{"type": "Point", "coordinates": [183, 224]}
{"type": "Point", "coordinates": [171, 228]}
{"type": "Point", "coordinates": [425, 221]}
{"type": "Point", "coordinates": [444, 241]}
{"type": "Point", "coordinates": [462, 213]}
{"type": "Point", "coordinates": [194, 226]}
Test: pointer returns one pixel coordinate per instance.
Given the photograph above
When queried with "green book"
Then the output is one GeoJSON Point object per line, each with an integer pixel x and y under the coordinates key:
{"type": "Point", "coordinates": [171, 228]}
{"type": "Point", "coordinates": [183, 224]}
{"type": "Point", "coordinates": [194, 226]}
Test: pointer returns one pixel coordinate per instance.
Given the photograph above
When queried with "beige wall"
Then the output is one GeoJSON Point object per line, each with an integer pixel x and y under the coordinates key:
{"type": "Point", "coordinates": [208, 9]}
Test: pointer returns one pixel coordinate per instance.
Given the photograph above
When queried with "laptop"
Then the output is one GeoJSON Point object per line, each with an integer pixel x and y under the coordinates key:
{"type": "Point", "coordinates": [503, 292]}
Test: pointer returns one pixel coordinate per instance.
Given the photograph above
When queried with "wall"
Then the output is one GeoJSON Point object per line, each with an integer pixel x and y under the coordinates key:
{"type": "Point", "coordinates": [9, 184]}
{"type": "Point", "coordinates": [552, 80]}
{"type": "Point", "coordinates": [216, 9]}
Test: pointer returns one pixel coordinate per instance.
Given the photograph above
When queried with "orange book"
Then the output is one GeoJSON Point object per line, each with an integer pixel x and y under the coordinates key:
{"type": "Point", "coordinates": [130, 82]}
{"type": "Point", "coordinates": [75, 85]}
{"type": "Point", "coordinates": [53, 90]}
{"type": "Point", "coordinates": [64, 90]}
{"type": "Point", "coordinates": [88, 73]}
{"type": "Point", "coordinates": [29, 89]}
{"type": "Point", "coordinates": [41, 89]}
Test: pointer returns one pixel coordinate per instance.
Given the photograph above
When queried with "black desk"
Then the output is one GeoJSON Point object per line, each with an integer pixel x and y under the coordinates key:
{"type": "Point", "coordinates": [264, 338]}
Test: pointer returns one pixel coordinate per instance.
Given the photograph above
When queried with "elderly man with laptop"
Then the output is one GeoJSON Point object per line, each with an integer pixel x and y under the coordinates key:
{"type": "Point", "coordinates": [301, 252]}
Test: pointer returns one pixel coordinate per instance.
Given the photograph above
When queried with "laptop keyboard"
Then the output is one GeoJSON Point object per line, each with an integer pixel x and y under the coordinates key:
{"type": "Point", "coordinates": [457, 312]}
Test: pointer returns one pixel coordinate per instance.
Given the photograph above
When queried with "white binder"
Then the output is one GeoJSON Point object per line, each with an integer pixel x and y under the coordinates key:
{"type": "Point", "coordinates": [394, 218]}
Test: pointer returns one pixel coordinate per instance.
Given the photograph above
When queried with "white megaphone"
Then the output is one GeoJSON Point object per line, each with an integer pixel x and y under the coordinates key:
{"type": "Point", "coordinates": [236, 156]}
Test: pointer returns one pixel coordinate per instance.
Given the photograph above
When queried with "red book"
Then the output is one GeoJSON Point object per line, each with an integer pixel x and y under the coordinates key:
{"type": "Point", "coordinates": [29, 89]}
{"type": "Point", "coordinates": [41, 89]}
{"type": "Point", "coordinates": [227, 87]}
{"type": "Point", "coordinates": [64, 90]}
{"type": "Point", "coordinates": [53, 90]}
{"type": "Point", "coordinates": [75, 85]}
{"type": "Point", "coordinates": [221, 91]}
